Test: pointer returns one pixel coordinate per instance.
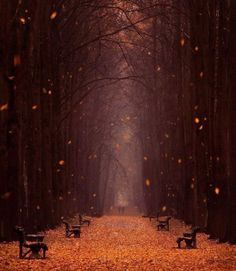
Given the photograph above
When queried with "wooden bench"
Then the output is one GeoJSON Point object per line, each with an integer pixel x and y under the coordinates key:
{"type": "Point", "coordinates": [33, 243]}
{"type": "Point", "coordinates": [190, 238]}
{"type": "Point", "coordinates": [163, 223]}
{"type": "Point", "coordinates": [83, 220]}
{"type": "Point", "coordinates": [73, 230]}
{"type": "Point", "coordinates": [150, 216]}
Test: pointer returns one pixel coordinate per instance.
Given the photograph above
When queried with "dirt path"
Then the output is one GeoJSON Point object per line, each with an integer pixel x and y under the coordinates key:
{"type": "Point", "coordinates": [123, 243]}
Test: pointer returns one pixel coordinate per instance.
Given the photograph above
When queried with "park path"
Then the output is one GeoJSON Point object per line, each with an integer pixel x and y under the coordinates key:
{"type": "Point", "coordinates": [123, 243]}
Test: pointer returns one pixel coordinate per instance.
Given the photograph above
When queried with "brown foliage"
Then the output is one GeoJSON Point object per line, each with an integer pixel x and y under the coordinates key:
{"type": "Point", "coordinates": [123, 243]}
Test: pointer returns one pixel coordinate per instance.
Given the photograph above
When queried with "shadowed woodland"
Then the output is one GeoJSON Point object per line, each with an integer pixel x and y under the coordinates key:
{"type": "Point", "coordinates": [103, 97]}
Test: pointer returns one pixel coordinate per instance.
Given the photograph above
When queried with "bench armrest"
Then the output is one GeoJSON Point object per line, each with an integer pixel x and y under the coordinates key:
{"type": "Point", "coordinates": [188, 234]}
{"type": "Point", "coordinates": [34, 237]}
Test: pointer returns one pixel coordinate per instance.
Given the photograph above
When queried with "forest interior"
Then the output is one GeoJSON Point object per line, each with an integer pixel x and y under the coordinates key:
{"type": "Point", "coordinates": [122, 111]}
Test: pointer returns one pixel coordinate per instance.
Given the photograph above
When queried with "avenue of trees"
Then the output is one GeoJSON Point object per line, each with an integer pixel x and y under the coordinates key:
{"type": "Point", "coordinates": [62, 66]}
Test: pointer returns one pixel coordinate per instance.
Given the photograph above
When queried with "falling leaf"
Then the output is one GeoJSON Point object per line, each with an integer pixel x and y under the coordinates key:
{"type": "Point", "coordinates": [147, 182]}
{"type": "Point", "coordinates": [61, 162]}
{"type": "Point", "coordinates": [217, 190]}
{"type": "Point", "coordinates": [3, 107]}
{"type": "Point", "coordinates": [164, 208]}
{"type": "Point", "coordinates": [197, 120]}
{"type": "Point", "coordinates": [6, 195]}
{"type": "Point", "coordinates": [200, 127]}
{"type": "Point", "coordinates": [17, 60]}
{"type": "Point", "coordinates": [182, 42]}
{"type": "Point", "coordinates": [53, 15]}
{"type": "Point", "coordinates": [34, 107]}
{"type": "Point", "coordinates": [22, 20]}
{"type": "Point", "coordinates": [11, 77]}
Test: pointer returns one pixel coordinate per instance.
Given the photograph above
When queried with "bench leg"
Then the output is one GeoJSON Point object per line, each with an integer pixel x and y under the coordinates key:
{"type": "Point", "coordinates": [77, 234]}
{"type": "Point", "coordinates": [179, 240]}
{"type": "Point", "coordinates": [190, 244]}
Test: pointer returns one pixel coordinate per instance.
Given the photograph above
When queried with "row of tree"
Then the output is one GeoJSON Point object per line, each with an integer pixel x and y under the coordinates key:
{"type": "Point", "coordinates": [194, 89]}
{"type": "Point", "coordinates": [61, 69]}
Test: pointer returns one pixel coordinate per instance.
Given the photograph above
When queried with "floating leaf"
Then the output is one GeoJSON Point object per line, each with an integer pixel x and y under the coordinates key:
{"type": "Point", "coordinates": [217, 190]}
{"type": "Point", "coordinates": [34, 107]}
{"type": "Point", "coordinates": [3, 107]}
{"type": "Point", "coordinates": [147, 182]}
{"type": "Point", "coordinates": [23, 20]}
{"type": "Point", "coordinates": [164, 208]}
{"type": "Point", "coordinates": [61, 162]}
{"type": "Point", "coordinates": [200, 127]}
{"type": "Point", "coordinates": [6, 195]}
{"type": "Point", "coordinates": [182, 42]}
{"type": "Point", "coordinates": [17, 60]}
{"type": "Point", "coordinates": [53, 15]}
{"type": "Point", "coordinates": [197, 120]}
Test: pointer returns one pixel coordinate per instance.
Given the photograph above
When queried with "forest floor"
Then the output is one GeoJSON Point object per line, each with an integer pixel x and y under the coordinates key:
{"type": "Point", "coordinates": [123, 243]}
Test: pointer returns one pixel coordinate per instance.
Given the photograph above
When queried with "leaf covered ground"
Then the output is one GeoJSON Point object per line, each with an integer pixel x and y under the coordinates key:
{"type": "Point", "coordinates": [123, 243]}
